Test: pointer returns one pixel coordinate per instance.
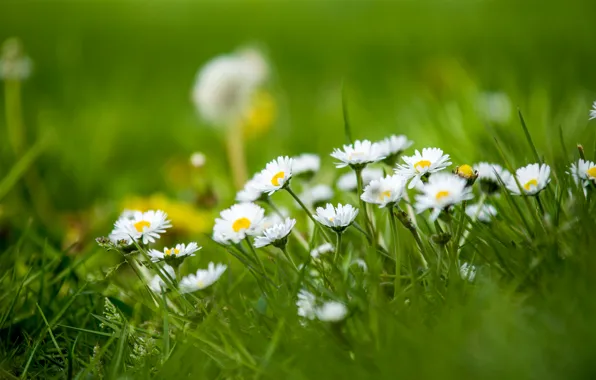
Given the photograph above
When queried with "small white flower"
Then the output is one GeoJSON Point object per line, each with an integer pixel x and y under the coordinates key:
{"type": "Point", "coordinates": [306, 304]}
{"type": "Point", "coordinates": [583, 172]}
{"type": "Point", "coordinates": [237, 222]}
{"type": "Point", "coordinates": [431, 160]}
{"type": "Point", "coordinates": [360, 263]}
{"type": "Point", "coordinates": [532, 178]}
{"type": "Point", "coordinates": [593, 112]}
{"type": "Point", "coordinates": [494, 107]}
{"type": "Point", "coordinates": [275, 176]}
{"type": "Point", "coordinates": [14, 64]}
{"type": "Point", "coordinates": [489, 175]}
{"type": "Point", "coordinates": [358, 154]}
{"type": "Point", "coordinates": [484, 214]}
{"type": "Point", "coordinates": [384, 191]}
{"type": "Point", "coordinates": [323, 248]}
{"type": "Point", "coordinates": [202, 279]}
{"type": "Point", "coordinates": [331, 311]}
{"type": "Point", "coordinates": [338, 218]}
{"type": "Point", "coordinates": [275, 234]}
{"type": "Point", "coordinates": [249, 193]}
{"type": "Point", "coordinates": [442, 190]}
{"type": "Point", "coordinates": [180, 250]}
{"type": "Point", "coordinates": [157, 284]}
{"type": "Point", "coordinates": [306, 163]}
{"type": "Point", "coordinates": [349, 182]}
{"type": "Point", "coordinates": [316, 195]}
{"type": "Point", "coordinates": [467, 272]}
{"type": "Point", "coordinates": [197, 159]}
{"type": "Point", "coordinates": [394, 145]}
{"type": "Point", "coordinates": [144, 226]}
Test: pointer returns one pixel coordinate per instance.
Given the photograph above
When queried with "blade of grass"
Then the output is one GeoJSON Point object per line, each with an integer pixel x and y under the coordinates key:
{"type": "Point", "coordinates": [20, 168]}
{"type": "Point", "coordinates": [528, 136]}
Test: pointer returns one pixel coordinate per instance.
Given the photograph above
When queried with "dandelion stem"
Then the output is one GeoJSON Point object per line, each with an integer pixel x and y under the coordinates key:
{"type": "Point", "coordinates": [397, 281]}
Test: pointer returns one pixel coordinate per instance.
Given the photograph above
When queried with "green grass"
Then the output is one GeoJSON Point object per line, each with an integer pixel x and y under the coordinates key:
{"type": "Point", "coordinates": [107, 115]}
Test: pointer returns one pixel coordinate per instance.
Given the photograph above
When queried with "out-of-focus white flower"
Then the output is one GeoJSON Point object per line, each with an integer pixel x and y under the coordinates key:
{"type": "Point", "coordinates": [442, 190]}
{"type": "Point", "coordinates": [225, 85]}
{"type": "Point", "coordinates": [316, 194]}
{"type": "Point", "coordinates": [337, 218]}
{"type": "Point", "coordinates": [14, 64]}
{"type": "Point", "coordinates": [349, 182]}
{"type": "Point", "coordinates": [360, 263]}
{"type": "Point", "coordinates": [384, 191]}
{"type": "Point", "coordinates": [593, 112]}
{"type": "Point", "coordinates": [532, 178]}
{"type": "Point", "coordinates": [484, 214]}
{"type": "Point", "coordinates": [249, 193]}
{"type": "Point", "coordinates": [359, 154]}
{"type": "Point", "coordinates": [157, 284]}
{"type": "Point", "coordinates": [237, 222]}
{"type": "Point", "coordinates": [331, 311]}
{"type": "Point", "coordinates": [431, 160]}
{"type": "Point", "coordinates": [197, 159]}
{"type": "Point", "coordinates": [583, 172]}
{"type": "Point", "coordinates": [489, 174]}
{"type": "Point", "coordinates": [467, 272]}
{"type": "Point", "coordinates": [180, 250]}
{"type": "Point", "coordinates": [306, 304]}
{"type": "Point", "coordinates": [394, 145]}
{"type": "Point", "coordinates": [275, 176]}
{"type": "Point", "coordinates": [321, 249]}
{"type": "Point", "coordinates": [276, 234]}
{"type": "Point", "coordinates": [494, 107]}
{"type": "Point", "coordinates": [202, 279]}
{"type": "Point", "coordinates": [144, 226]}
{"type": "Point", "coordinates": [306, 163]}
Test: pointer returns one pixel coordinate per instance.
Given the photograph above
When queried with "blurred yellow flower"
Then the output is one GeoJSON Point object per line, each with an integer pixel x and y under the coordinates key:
{"type": "Point", "coordinates": [261, 115]}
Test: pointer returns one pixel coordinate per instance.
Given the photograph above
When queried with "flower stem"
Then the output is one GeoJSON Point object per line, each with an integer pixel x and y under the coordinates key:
{"type": "Point", "coordinates": [289, 190]}
{"type": "Point", "coordinates": [284, 250]}
{"type": "Point", "coordinates": [410, 226]}
{"type": "Point", "coordinates": [337, 247]}
{"type": "Point", "coordinates": [236, 155]}
{"type": "Point", "coordinates": [363, 208]}
{"type": "Point", "coordinates": [397, 281]}
{"type": "Point", "coordinates": [539, 202]}
{"type": "Point", "coordinates": [256, 256]}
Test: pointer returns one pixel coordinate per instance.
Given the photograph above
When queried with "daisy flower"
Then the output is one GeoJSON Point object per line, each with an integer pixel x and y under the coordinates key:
{"type": "Point", "coordinates": [275, 176]}
{"type": "Point", "coordinates": [157, 284]}
{"type": "Point", "coordinates": [276, 235]}
{"type": "Point", "coordinates": [593, 112]}
{"type": "Point", "coordinates": [393, 146]}
{"type": "Point", "coordinates": [583, 172]}
{"type": "Point", "coordinates": [349, 182]}
{"type": "Point", "coordinates": [14, 64]}
{"type": "Point", "coordinates": [532, 178]}
{"type": "Point", "coordinates": [384, 191]}
{"type": "Point", "coordinates": [237, 222]}
{"type": "Point", "coordinates": [442, 191]}
{"type": "Point", "coordinates": [489, 175]}
{"type": "Point", "coordinates": [306, 164]}
{"type": "Point", "coordinates": [316, 195]}
{"type": "Point", "coordinates": [337, 218]}
{"type": "Point", "coordinates": [466, 172]}
{"type": "Point", "coordinates": [484, 213]}
{"type": "Point", "coordinates": [306, 304]}
{"type": "Point", "coordinates": [321, 249]}
{"type": "Point", "coordinates": [358, 155]}
{"type": "Point", "coordinates": [331, 311]}
{"type": "Point", "coordinates": [249, 193]}
{"type": "Point", "coordinates": [143, 226]}
{"type": "Point", "coordinates": [431, 160]}
{"type": "Point", "coordinates": [180, 250]}
{"type": "Point", "coordinates": [202, 279]}
{"type": "Point", "coordinates": [467, 272]}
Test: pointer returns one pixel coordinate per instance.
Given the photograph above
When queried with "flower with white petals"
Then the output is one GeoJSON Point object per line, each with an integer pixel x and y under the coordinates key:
{"type": "Point", "coordinates": [249, 193]}
{"type": "Point", "coordinates": [179, 251]}
{"type": "Point", "coordinates": [494, 107]}
{"type": "Point", "coordinates": [349, 182]}
{"type": "Point", "coordinates": [532, 179]}
{"type": "Point", "coordinates": [337, 218]}
{"type": "Point", "coordinates": [358, 154]}
{"type": "Point", "coordinates": [306, 164]}
{"type": "Point", "coordinates": [489, 175]}
{"type": "Point", "coordinates": [331, 311]}
{"type": "Point", "coordinates": [431, 160]}
{"type": "Point", "coordinates": [202, 279]}
{"type": "Point", "coordinates": [384, 191]}
{"type": "Point", "coordinates": [467, 272]}
{"type": "Point", "coordinates": [393, 146]}
{"type": "Point", "coordinates": [593, 112]}
{"type": "Point", "coordinates": [143, 226]}
{"type": "Point", "coordinates": [321, 249]}
{"type": "Point", "coordinates": [197, 159]}
{"type": "Point", "coordinates": [306, 304]}
{"type": "Point", "coordinates": [14, 64]}
{"type": "Point", "coordinates": [316, 195]}
{"type": "Point", "coordinates": [237, 222]}
{"type": "Point", "coordinates": [583, 172]}
{"type": "Point", "coordinates": [276, 235]}
{"type": "Point", "coordinates": [275, 176]}
{"type": "Point", "coordinates": [157, 284]}
{"type": "Point", "coordinates": [442, 191]}
{"type": "Point", "coordinates": [484, 213]}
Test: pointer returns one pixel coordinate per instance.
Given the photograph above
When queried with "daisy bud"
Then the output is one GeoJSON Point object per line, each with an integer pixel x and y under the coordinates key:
{"type": "Point", "coordinates": [466, 172]}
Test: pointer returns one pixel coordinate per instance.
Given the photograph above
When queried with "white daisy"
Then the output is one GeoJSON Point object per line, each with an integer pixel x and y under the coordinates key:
{"type": "Point", "coordinates": [275, 176]}
{"type": "Point", "coordinates": [484, 214]}
{"type": "Point", "coordinates": [583, 172]}
{"type": "Point", "coordinates": [14, 64]}
{"type": "Point", "coordinates": [337, 218]}
{"type": "Point", "coordinates": [144, 226]}
{"type": "Point", "coordinates": [394, 145]}
{"type": "Point", "coordinates": [467, 272]}
{"type": "Point", "coordinates": [442, 190]}
{"type": "Point", "coordinates": [306, 304]}
{"type": "Point", "coordinates": [276, 235]}
{"type": "Point", "coordinates": [157, 284]}
{"type": "Point", "coordinates": [316, 194]}
{"type": "Point", "coordinates": [237, 222]}
{"type": "Point", "coordinates": [358, 154]}
{"type": "Point", "coordinates": [349, 182]}
{"type": "Point", "coordinates": [489, 174]}
{"type": "Point", "coordinates": [331, 311]}
{"type": "Point", "coordinates": [306, 163]}
{"type": "Point", "coordinates": [532, 178]}
{"type": "Point", "coordinates": [321, 249]}
{"type": "Point", "coordinates": [431, 160]}
{"type": "Point", "coordinates": [180, 250]}
{"type": "Point", "coordinates": [249, 193]}
{"type": "Point", "coordinates": [360, 263]}
{"type": "Point", "coordinates": [384, 191]}
{"type": "Point", "coordinates": [202, 279]}
{"type": "Point", "coordinates": [197, 159]}
{"type": "Point", "coordinates": [593, 112]}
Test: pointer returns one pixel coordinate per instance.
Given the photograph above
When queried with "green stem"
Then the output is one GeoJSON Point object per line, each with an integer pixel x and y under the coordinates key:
{"type": "Point", "coordinates": [539, 202]}
{"type": "Point", "coordinates": [284, 250]}
{"type": "Point", "coordinates": [363, 208]}
{"type": "Point", "coordinates": [256, 256]}
{"type": "Point", "coordinates": [397, 281]}
{"type": "Point", "coordinates": [310, 215]}
{"type": "Point", "coordinates": [295, 232]}
{"type": "Point", "coordinates": [14, 116]}
{"type": "Point", "coordinates": [337, 247]}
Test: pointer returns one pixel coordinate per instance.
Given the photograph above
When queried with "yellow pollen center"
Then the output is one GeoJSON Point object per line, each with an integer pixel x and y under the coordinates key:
{"type": "Point", "coordinates": [530, 183]}
{"type": "Point", "coordinates": [591, 172]}
{"type": "Point", "coordinates": [200, 284]}
{"type": "Point", "coordinates": [422, 164]}
{"type": "Point", "coordinates": [140, 226]}
{"type": "Point", "coordinates": [241, 224]}
{"type": "Point", "coordinates": [465, 171]}
{"type": "Point", "coordinates": [441, 194]}
{"type": "Point", "coordinates": [175, 251]}
{"type": "Point", "coordinates": [385, 194]}
{"type": "Point", "coordinates": [276, 178]}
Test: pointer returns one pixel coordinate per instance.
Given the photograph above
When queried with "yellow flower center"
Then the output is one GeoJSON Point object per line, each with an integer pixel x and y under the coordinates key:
{"type": "Point", "coordinates": [591, 172]}
{"type": "Point", "coordinates": [276, 178]}
{"type": "Point", "coordinates": [530, 183]}
{"type": "Point", "coordinates": [421, 165]}
{"type": "Point", "coordinates": [200, 284]}
{"type": "Point", "coordinates": [385, 194]}
{"type": "Point", "coordinates": [441, 194]}
{"type": "Point", "coordinates": [140, 226]}
{"type": "Point", "coordinates": [465, 171]}
{"type": "Point", "coordinates": [353, 155]}
{"type": "Point", "coordinates": [241, 224]}
{"type": "Point", "coordinates": [175, 251]}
